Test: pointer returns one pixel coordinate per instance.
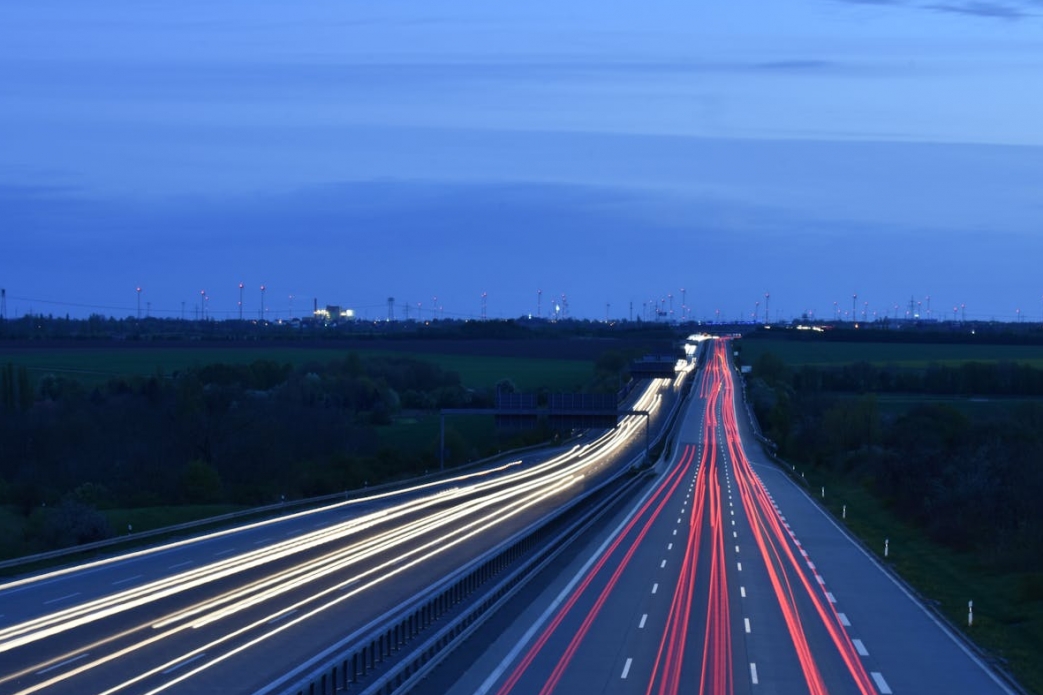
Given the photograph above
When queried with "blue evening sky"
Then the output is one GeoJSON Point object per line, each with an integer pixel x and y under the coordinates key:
{"type": "Point", "coordinates": [613, 151]}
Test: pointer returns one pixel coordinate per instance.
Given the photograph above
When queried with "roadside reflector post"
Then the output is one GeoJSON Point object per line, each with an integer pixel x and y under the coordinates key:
{"type": "Point", "coordinates": [843, 512]}
{"type": "Point", "coordinates": [823, 492]}
{"type": "Point", "coordinates": [970, 613]}
{"type": "Point", "coordinates": [887, 543]}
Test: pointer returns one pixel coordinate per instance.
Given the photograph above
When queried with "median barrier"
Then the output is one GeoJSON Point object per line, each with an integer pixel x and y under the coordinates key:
{"type": "Point", "coordinates": [349, 664]}
{"type": "Point", "coordinates": [365, 653]}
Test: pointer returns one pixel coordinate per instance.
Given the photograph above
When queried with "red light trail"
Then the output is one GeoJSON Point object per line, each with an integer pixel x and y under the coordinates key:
{"type": "Point", "coordinates": [701, 605]}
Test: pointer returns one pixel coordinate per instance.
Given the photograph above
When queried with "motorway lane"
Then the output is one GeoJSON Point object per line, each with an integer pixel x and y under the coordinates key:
{"type": "Point", "coordinates": [601, 630]}
{"type": "Point", "coordinates": [733, 588]}
{"type": "Point", "coordinates": [772, 597]}
{"type": "Point", "coordinates": [904, 646]}
{"type": "Point", "coordinates": [137, 651]}
{"type": "Point", "coordinates": [27, 597]}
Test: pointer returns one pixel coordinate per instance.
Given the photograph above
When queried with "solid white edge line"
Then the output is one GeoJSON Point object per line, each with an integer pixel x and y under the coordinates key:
{"type": "Point", "coordinates": [941, 626]}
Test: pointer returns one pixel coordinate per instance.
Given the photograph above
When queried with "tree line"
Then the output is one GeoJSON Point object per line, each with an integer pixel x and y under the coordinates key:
{"type": "Point", "coordinates": [220, 433]}
{"type": "Point", "coordinates": [973, 483]}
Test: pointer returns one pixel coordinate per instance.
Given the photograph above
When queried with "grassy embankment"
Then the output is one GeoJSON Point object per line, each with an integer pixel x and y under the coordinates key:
{"type": "Point", "coordinates": [1008, 606]}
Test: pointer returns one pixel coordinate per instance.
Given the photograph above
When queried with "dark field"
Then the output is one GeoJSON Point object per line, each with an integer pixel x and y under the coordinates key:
{"type": "Point", "coordinates": [896, 459]}
{"type": "Point", "coordinates": [563, 365]}
{"type": "Point", "coordinates": [797, 353]}
{"type": "Point", "coordinates": [403, 445]}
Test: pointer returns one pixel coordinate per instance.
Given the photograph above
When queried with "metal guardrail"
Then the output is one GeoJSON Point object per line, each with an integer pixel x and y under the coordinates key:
{"type": "Point", "coordinates": [345, 665]}
{"type": "Point", "coordinates": [254, 511]}
{"type": "Point", "coordinates": [350, 662]}
{"type": "Point", "coordinates": [428, 655]}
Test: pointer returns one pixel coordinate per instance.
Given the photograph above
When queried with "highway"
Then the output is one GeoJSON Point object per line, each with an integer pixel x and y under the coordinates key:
{"type": "Point", "coordinates": [724, 577]}
{"type": "Point", "coordinates": [233, 611]}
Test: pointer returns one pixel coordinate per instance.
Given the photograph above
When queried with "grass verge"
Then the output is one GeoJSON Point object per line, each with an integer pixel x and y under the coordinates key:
{"type": "Point", "coordinates": [1008, 620]}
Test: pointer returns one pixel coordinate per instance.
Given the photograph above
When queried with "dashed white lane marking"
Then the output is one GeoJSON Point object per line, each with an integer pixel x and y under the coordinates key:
{"type": "Point", "coordinates": [626, 667]}
{"type": "Point", "coordinates": [644, 619]}
{"type": "Point", "coordinates": [736, 548]}
{"type": "Point", "coordinates": [186, 662]}
{"type": "Point", "coordinates": [746, 621]}
{"type": "Point", "coordinates": [742, 591]}
{"type": "Point", "coordinates": [224, 552]}
{"type": "Point", "coordinates": [675, 532]}
{"type": "Point", "coordinates": [263, 541]}
{"type": "Point", "coordinates": [669, 546]}
{"type": "Point", "coordinates": [63, 598]}
{"type": "Point", "coordinates": [58, 665]}
{"type": "Point", "coordinates": [662, 564]}
{"type": "Point", "coordinates": [843, 620]}
{"type": "Point", "coordinates": [279, 617]}
{"type": "Point", "coordinates": [740, 566]}
{"type": "Point", "coordinates": [860, 648]}
{"type": "Point", "coordinates": [733, 522]}
{"type": "Point", "coordinates": [655, 588]}
{"type": "Point", "coordinates": [186, 563]}
{"type": "Point", "coordinates": [128, 579]}
{"type": "Point", "coordinates": [881, 684]}
{"type": "Point", "coordinates": [753, 672]}
{"type": "Point", "coordinates": [830, 597]}
{"type": "Point", "coordinates": [735, 534]}
{"type": "Point", "coordinates": [820, 580]}
{"type": "Point", "coordinates": [678, 519]}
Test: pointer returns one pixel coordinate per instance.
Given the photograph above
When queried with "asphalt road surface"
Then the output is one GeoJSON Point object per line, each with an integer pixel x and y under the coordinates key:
{"type": "Point", "coordinates": [233, 611]}
{"type": "Point", "coordinates": [724, 577]}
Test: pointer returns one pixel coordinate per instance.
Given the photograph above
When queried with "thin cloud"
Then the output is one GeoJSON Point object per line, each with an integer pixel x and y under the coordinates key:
{"type": "Point", "coordinates": [796, 65]}
{"type": "Point", "coordinates": [1011, 10]}
{"type": "Point", "coordinates": [993, 10]}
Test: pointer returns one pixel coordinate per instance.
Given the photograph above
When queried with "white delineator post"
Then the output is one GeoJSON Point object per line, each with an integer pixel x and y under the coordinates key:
{"type": "Point", "coordinates": [970, 613]}
{"type": "Point", "coordinates": [843, 512]}
{"type": "Point", "coordinates": [887, 543]}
